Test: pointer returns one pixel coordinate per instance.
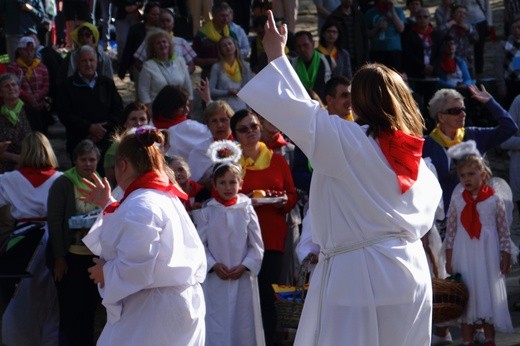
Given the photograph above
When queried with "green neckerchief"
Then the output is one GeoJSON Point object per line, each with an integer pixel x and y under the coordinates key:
{"type": "Point", "coordinates": [165, 63]}
{"type": "Point", "coordinates": [12, 114]}
{"type": "Point", "coordinates": [308, 75]}
{"type": "Point", "coordinates": [76, 179]}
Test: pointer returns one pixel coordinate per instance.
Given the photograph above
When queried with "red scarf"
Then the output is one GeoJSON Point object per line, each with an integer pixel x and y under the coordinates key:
{"type": "Point", "coordinates": [278, 142]}
{"type": "Point", "coordinates": [166, 123]}
{"type": "Point", "coordinates": [469, 216]}
{"type": "Point", "coordinates": [426, 36]}
{"type": "Point", "coordinates": [194, 188]}
{"type": "Point", "coordinates": [403, 153]}
{"type": "Point", "coordinates": [149, 180]}
{"type": "Point", "coordinates": [448, 64]}
{"type": "Point", "coordinates": [37, 176]}
{"type": "Point", "coordinates": [225, 203]}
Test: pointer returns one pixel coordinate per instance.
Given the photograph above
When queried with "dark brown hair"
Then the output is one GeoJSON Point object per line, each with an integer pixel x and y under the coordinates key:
{"type": "Point", "coordinates": [382, 100]}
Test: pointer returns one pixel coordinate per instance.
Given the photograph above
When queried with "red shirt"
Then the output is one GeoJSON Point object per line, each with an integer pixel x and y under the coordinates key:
{"type": "Point", "coordinates": [272, 220]}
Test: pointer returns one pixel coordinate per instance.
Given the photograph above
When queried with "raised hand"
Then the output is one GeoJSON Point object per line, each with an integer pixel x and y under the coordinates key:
{"type": "Point", "coordinates": [481, 95]}
{"type": "Point", "coordinates": [202, 89]}
{"type": "Point", "coordinates": [274, 40]}
{"type": "Point", "coordinates": [98, 191]}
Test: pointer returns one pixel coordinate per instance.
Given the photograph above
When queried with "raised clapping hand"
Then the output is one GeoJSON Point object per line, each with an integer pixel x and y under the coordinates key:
{"type": "Point", "coordinates": [98, 192]}
{"type": "Point", "coordinates": [274, 40]}
{"type": "Point", "coordinates": [202, 89]}
{"type": "Point", "coordinates": [481, 95]}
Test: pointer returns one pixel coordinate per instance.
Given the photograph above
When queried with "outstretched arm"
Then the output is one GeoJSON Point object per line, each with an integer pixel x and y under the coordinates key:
{"type": "Point", "coordinates": [274, 40]}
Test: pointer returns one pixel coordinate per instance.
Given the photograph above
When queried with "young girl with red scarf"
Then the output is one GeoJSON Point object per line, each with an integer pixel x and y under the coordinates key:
{"type": "Point", "coordinates": [197, 193]}
{"type": "Point", "coordinates": [478, 245]}
{"type": "Point", "coordinates": [229, 229]}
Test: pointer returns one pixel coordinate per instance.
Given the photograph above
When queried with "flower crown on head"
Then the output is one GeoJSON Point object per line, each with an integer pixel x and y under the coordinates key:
{"type": "Point", "coordinates": [224, 151]}
{"type": "Point", "coordinates": [463, 149]}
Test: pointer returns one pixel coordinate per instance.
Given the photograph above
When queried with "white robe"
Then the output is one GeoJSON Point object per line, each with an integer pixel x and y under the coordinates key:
{"type": "Point", "coordinates": [378, 294]}
{"type": "Point", "coordinates": [155, 263]}
{"type": "Point", "coordinates": [199, 162]}
{"type": "Point", "coordinates": [231, 236]}
{"type": "Point", "coordinates": [185, 136]}
{"type": "Point", "coordinates": [32, 316]}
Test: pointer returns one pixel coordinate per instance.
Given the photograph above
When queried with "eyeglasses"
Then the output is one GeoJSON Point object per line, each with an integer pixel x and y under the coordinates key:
{"type": "Point", "coordinates": [454, 110]}
{"type": "Point", "coordinates": [245, 129]}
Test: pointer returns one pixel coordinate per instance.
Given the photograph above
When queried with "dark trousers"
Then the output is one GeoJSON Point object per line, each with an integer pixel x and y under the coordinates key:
{"type": "Point", "coordinates": [482, 30]}
{"type": "Point", "coordinates": [79, 298]}
{"type": "Point", "coordinates": [269, 274]}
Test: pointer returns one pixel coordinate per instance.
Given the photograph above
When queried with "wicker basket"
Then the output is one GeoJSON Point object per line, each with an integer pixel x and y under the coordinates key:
{"type": "Point", "coordinates": [288, 312]}
{"type": "Point", "coordinates": [449, 299]}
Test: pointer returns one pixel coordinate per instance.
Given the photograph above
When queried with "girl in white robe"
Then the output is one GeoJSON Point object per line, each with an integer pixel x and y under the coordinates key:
{"type": "Point", "coordinates": [229, 228]}
{"type": "Point", "coordinates": [32, 316]}
{"type": "Point", "coordinates": [372, 284]}
{"type": "Point", "coordinates": [151, 259]}
{"type": "Point", "coordinates": [478, 245]}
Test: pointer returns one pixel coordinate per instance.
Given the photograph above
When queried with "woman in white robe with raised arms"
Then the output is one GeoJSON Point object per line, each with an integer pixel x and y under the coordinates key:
{"type": "Point", "coordinates": [372, 199]}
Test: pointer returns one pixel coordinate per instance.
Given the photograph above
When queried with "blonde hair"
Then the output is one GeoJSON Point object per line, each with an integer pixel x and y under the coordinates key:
{"type": "Point", "coordinates": [216, 106]}
{"type": "Point", "coordinates": [382, 100]}
{"type": "Point", "coordinates": [37, 152]}
{"type": "Point", "coordinates": [474, 159]}
{"type": "Point", "coordinates": [238, 56]}
{"type": "Point", "coordinates": [155, 35]}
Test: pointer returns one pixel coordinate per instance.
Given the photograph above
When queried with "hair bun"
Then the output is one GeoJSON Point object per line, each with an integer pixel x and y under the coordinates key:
{"type": "Point", "coordinates": [148, 135]}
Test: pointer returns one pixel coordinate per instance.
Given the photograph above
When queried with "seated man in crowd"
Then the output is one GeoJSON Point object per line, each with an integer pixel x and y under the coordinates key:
{"type": "Point", "coordinates": [88, 34]}
{"type": "Point", "coordinates": [310, 65]}
{"type": "Point", "coordinates": [88, 104]}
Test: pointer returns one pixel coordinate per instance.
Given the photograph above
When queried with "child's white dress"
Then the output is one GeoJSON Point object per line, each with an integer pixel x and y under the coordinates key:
{"type": "Point", "coordinates": [478, 260]}
{"type": "Point", "coordinates": [231, 235]}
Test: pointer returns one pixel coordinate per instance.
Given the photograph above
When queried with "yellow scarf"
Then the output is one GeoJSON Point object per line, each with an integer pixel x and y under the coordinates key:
{"type": "Point", "coordinates": [208, 29]}
{"type": "Point", "coordinates": [262, 161]}
{"type": "Point", "coordinates": [348, 117]}
{"type": "Point", "coordinates": [444, 140]}
{"type": "Point", "coordinates": [332, 53]}
{"type": "Point", "coordinates": [29, 69]}
{"type": "Point", "coordinates": [233, 71]}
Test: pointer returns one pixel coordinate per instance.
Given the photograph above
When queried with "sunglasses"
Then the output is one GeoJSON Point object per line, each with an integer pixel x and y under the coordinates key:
{"type": "Point", "coordinates": [454, 110]}
{"type": "Point", "coordinates": [246, 129]}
